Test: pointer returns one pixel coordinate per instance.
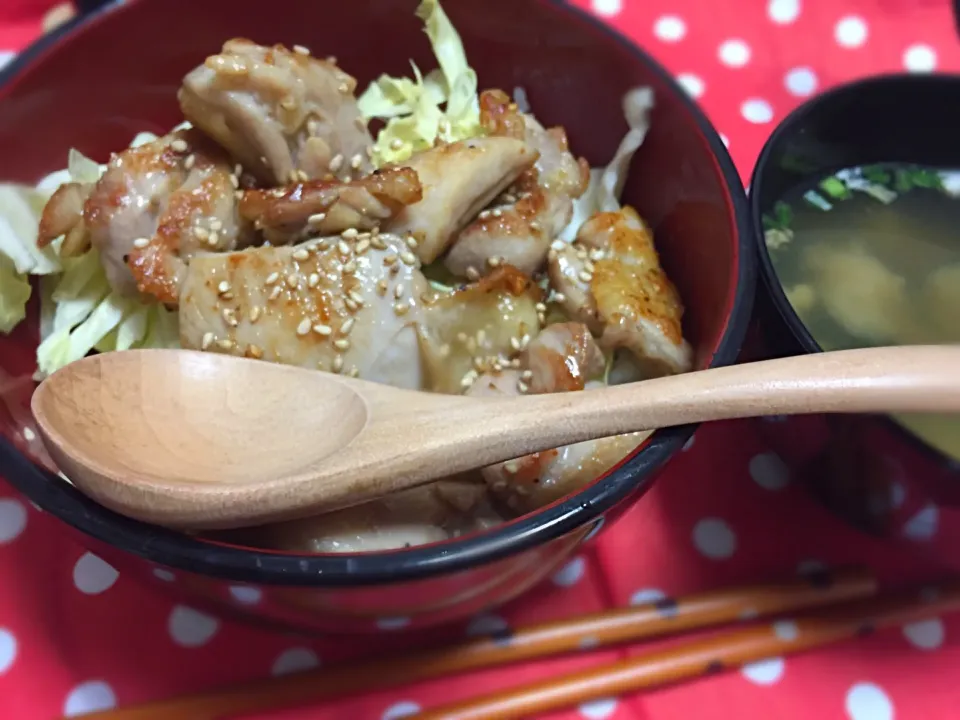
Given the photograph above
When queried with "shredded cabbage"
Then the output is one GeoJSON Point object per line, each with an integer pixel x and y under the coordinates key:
{"type": "Point", "coordinates": [606, 184]}
{"type": "Point", "coordinates": [412, 109]}
{"type": "Point", "coordinates": [79, 312]}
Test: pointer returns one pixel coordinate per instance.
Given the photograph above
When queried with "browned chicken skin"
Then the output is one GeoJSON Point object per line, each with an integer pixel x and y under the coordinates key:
{"type": "Point", "coordinates": [155, 206]}
{"type": "Point", "coordinates": [519, 227]}
{"type": "Point", "coordinates": [285, 116]}
{"type": "Point", "coordinates": [325, 207]}
{"type": "Point", "coordinates": [610, 279]}
{"type": "Point", "coordinates": [458, 180]}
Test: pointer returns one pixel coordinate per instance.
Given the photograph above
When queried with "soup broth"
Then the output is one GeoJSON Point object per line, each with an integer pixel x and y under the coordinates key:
{"type": "Point", "coordinates": [870, 256]}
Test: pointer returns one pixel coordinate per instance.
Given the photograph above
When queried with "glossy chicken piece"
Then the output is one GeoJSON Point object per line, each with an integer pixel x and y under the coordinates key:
{"type": "Point", "coordinates": [323, 207]}
{"type": "Point", "coordinates": [330, 304]}
{"type": "Point", "coordinates": [63, 215]}
{"type": "Point", "coordinates": [285, 116]}
{"type": "Point", "coordinates": [481, 326]}
{"type": "Point", "coordinates": [527, 483]}
{"type": "Point", "coordinates": [458, 180]}
{"type": "Point", "coordinates": [563, 357]}
{"type": "Point", "coordinates": [611, 280]}
{"type": "Point", "coordinates": [519, 227]}
{"type": "Point", "coordinates": [155, 206]}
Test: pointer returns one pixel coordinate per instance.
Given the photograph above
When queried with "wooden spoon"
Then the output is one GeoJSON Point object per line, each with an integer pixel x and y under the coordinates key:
{"type": "Point", "coordinates": [200, 440]}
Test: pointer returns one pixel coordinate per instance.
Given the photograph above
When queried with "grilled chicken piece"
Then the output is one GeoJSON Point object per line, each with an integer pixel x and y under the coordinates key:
{"type": "Point", "coordinates": [459, 180]}
{"type": "Point", "coordinates": [154, 207]}
{"type": "Point", "coordinates": [611, 280]}
{"type": "Point", "coordinates": [519, 227]}
{"type": "Point", "coordinates": [284, 115]}
{"type": "Point", "coordinates": [563, 357]}
{"type": "Point", "coordinates": [326, 304]}
{"type": "Point", "coordinates": [63, 215]}
{"type": "Point", "coordinates": [535, 480]}
{"type": "Point", "coordinates": [322, 207]}
{"type": "Point", "coordinates": [480, 326]}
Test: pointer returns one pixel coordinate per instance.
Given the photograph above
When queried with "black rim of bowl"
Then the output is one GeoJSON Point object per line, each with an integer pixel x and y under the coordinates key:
{"type": "Point", "coordinates": [768, 273]}
{"type": "Point", "coordinates": [179, 551]}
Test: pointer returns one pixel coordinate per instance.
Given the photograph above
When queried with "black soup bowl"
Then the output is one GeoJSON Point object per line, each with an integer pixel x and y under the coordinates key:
{"type": "Point", "coordinates": [869, 469]}
{"type": "Point", "coordinates": [96, 82]}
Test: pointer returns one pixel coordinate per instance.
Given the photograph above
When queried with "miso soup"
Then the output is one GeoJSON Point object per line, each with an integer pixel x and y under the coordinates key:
{"type": "Point", "coordinates": [870, 256]}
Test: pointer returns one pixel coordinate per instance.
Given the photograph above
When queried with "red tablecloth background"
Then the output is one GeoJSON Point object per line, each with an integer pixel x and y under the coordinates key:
{"type": "Point", "coordinates": [75, 636]}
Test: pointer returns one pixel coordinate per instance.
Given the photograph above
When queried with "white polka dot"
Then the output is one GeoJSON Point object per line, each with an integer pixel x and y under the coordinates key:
{"type": "Point", "coordinates": [13, 519]}
{"type": "Point", "coordinates": [786, 630]}
{"type": "Point", "coordinates": [764, 672]}
{"type": "Point", "coordinates": [164, 575]}
{"type": "Point", "coordinates": [191, 628]}
{"type": "Point", "coordinates": [246, 594]}
{"type": "Point", "coordinates": [89, 697]}
{"type": "Point", "coordinates": [734, 53]}
{"type": "Point", "coordinates": [6, 57]}
{"type": "Point", "coordinates": [694, 87]}
{"type": "Point", "coordinates": [294, 660]}
{"type": "Point", "coordinates": [783, 11]}
{"type": "Point", "coordinates": [92, 576]}
{"type": "Point", "coordinates": [920, 58]}
{"type": "Point", "coordinates": [769, 472]}
{"type": "Point", "coordinates": [647, 595]}
{"type": "Point", "coordinates": [8, 649]}
{"type": "Point", "coordinates": [689, 443]}
{"type": "Point", "coordinates": [570, 574]}
{"type": "Point", "coordinates": [714, 538]}
{"type": "Point", "coordinates": [402, 709]}
{"type": "Point", "coordinates": [757, 111]}
{"type": "Point", "coordinates": [725, 140]}
{"type": "Point", "coordinates": [866, 701]}
{"type": "Point", "coordinates": [850, 32]}
{"type": "Point", "coordinates": [801, 81]}
{"type": "Point", "coordinates": [607, 8]}
{"type": "Point", "coordinates": [670, 28]}
{"type": "Point", "coordinates": [925, 634]}
{"type": "Point", "coordinates": [598, 709]}
{"type": "Point", "coordinates": [487, 624]}
{"type": "Point", "coordinates": [392, 623]}
{"type": "Point", "coordinates": [923, 525]}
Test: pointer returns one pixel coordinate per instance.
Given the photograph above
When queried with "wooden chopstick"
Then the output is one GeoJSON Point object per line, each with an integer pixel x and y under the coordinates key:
{"type": "Point", "coordinates": [606, 628]}
{"type": "Point", "coordinates": [702, 657]}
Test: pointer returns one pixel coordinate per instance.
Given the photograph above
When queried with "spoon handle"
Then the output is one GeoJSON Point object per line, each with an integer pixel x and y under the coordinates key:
{"type": "Point", "coordinates": [895, 379]}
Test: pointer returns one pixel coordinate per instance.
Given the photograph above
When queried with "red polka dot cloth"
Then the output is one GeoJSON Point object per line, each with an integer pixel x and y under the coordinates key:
{"type": "Point", "coordinates": [75, 636]}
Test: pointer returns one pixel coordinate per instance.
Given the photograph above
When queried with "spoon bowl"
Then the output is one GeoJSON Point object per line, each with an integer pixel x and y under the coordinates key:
{"type": "Point", "coordinates": [200, 441]}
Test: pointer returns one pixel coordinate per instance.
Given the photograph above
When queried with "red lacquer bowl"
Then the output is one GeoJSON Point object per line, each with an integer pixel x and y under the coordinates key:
{"type": "Point", "coordinates": [104, 77]}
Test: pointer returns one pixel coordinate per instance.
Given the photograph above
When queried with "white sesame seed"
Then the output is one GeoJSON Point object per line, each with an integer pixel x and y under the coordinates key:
{"type": "Point", "coordinates": [189, 162]}
{"type": "Point", "coordinates": [559, 297]}
{"type": "Point", "coordinates": [496, 212]}
{"type": "Point", "coordinates": [343, 248]}
{"type": "Point", "coordinates": [254, 351]}
{"type": "Point", "coordinates": [472, 273]}
{"type": "Point", "coordinates": [514, 343]}
{"type": "Point", "coordinates": [313, 280]}
{"type": "Point", "coordinates": [316, 218]}
{"type": "Point", "coordinates": [541, 307]}
{"type": "Point", "coordinates": [347, 326]}
{"type": "Point", "coordinates": [272, 278]}
{"type": "Point", "coordinates": [535, 226]}
{"type": "Point", "coordinates": [558, 245]}
{"type": "Point", "coordinates": [356, 161]}
{"type": "Point", "coordinates": [484, 214]}
{"type": "Point", "coordinates": [235, 181]}
{"type": "Point", "coordinates": [225, 344]}
{"type": "Point", "coordinates": [522, 386]}
{"type": "Point", "coordinates": [381, 288]}
{"type": "Point", "coordinates": [343, 88]}
{"type": "Point", "coordinates": [411, 242]}
{"type": "Point", "coordinates": [201, 233]}
{"type": "Point", "coordinates": [213, 239]}
{"type": "Point", "coordinates": [342, 344]}
{"type": "Point", "coordinates": [584, 276]}
{"type": "Point", "coordinates": [396, 144]}
{"type": "Point", "coordinates": [362, 246]}
{"type": "Point", "coordinates": [141, 243]}
{"type": "Point", "coordinates": [304, 327]}
{"type": "Point", "coordinates": [408, 257]}
{"type": "Point", "coordinates": [338, 363]}
{"type": "Point", "coordinates": [178, 145]}
{"type": "Point", "coordinates": [356, 297]}
{"type": "Point", "coordinates": [223, 287]}
{"type": "Point", "coordinates": [351, 305]}
{"type": "Point", "coordinates": [400, 308]}
{"type": "Point", "coordinates": [336, 162]}
{"type": "Point", "coordinates": [301, 255]}
{"type": "Point", "coordinates": [292, 281]}
{"type": "Point", "coordinates": [229, 317]}
{"type": "Point", "coordinates": [301, 50]}
{"type": "Point", "coordinates": [255, 313]}
{"type": "Point", "coordinates": [493, 261]}
{"type": "Point", "coordinates": [512, 467]}
{"type": "Point", "coordinates": [349, 233]}
{"type": "Point", "coordinates": [275, 293]}
{"type": "Point", "coordinates": [350, 267]}
{"type": "Point", "coordinates": [207, 340]}
{"type": "Point", "coordinates": [398, 291]}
